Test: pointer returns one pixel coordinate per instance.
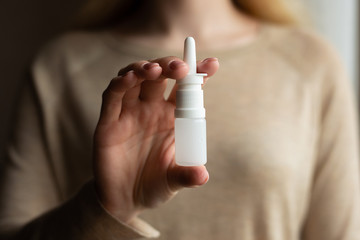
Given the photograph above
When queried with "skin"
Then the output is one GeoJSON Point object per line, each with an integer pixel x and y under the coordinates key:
{"type": "Point", "coordinates": [134, 153]}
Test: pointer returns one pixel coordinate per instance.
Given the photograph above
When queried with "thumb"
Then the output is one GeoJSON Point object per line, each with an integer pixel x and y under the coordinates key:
{"type": "Point", "coordinates": [180, 177]}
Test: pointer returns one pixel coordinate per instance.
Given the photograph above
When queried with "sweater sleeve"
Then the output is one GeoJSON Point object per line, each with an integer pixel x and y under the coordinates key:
{"type": "Point", "coordinates": [334, 211]}
{"type": "Point", "coordinates": [30, 203]}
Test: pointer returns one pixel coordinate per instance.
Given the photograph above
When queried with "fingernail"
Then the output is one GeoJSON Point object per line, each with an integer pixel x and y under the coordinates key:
{"type": "Point", "coordinates": [150, 65]}
{"type": "Point", "coordinates": [213, 59]}
{"type": "Point", "coordinates": [175, 64]}
{"type": "Point", "coordinates": [128, 73]}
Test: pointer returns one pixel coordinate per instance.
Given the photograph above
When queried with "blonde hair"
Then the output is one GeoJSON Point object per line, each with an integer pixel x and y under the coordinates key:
{"type": "Point", "coordinates": [276, 11]}
{"type": "Point", "coordinates": [101, 13]}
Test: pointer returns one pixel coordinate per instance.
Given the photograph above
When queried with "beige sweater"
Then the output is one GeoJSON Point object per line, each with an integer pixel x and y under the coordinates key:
{"type": "Point", "coordinates": [282, 146]}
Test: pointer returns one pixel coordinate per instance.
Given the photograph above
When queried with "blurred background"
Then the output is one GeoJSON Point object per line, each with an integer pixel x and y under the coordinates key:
{"type": "Point", "coordinates": [339, 22]}
{"type": "Point", "coordinates": [27, 25]}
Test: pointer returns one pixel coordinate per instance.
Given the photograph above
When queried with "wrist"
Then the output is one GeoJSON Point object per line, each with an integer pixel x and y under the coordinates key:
{"type": "Point", "coordinates": [116, 207]}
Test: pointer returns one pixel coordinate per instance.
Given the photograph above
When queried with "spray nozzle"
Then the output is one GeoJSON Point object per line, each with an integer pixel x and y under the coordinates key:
{"type": "Point", "coordinates": [190, 54]}
{"type": "Point", "coordinates": [189, 96]}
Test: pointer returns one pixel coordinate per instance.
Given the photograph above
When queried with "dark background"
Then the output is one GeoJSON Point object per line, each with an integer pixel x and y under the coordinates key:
{"type": "Point", "coordinates": [25, 27]}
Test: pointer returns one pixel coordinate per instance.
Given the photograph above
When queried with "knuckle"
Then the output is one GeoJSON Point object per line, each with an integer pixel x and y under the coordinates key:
{"type": "Point", "coordinates": [109, 87]}
{"type": "Point", "coordinates": [121, 71]}
{"type": "Point", "coordinates": [125, 69]}
{"type": "Point", "coordinates": [132, 66]}
{"type": "Point", "coordinates": [105, 94]}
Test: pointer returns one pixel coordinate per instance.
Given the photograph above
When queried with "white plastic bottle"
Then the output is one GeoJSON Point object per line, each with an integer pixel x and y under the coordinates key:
{"type": "Point", "coordinates": [190, 123]}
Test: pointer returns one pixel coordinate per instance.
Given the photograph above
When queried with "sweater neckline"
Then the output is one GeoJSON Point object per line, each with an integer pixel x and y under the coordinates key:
{"type": "Point", "coordinates": [127, 47]}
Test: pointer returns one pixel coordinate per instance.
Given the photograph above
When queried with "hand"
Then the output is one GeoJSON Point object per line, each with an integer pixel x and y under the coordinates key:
{"type": "Point", "coordinates": [134, 165]}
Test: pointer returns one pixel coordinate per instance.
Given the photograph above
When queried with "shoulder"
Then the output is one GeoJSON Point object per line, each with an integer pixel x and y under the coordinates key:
{"type": "Point", "coordinates": [304, 49]}
{"type": "Point", "coordinates": [70, 52]}
{"type": "Point", "coordinates": [316, 61]}
{"type": "Point", "coordinates": [63, 62]}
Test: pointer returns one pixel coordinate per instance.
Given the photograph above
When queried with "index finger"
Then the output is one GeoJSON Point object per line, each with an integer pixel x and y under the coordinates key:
{"type": "Point", "coordinates": [172, 67]}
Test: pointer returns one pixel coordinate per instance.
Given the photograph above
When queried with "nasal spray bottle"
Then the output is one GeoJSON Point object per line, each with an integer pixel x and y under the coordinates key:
{"type": "Point", "coordinates": [190, 123]}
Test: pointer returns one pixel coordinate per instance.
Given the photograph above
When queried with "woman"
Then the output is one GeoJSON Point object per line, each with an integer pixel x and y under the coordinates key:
{"type": "Point", "coordinates": [282, 147]}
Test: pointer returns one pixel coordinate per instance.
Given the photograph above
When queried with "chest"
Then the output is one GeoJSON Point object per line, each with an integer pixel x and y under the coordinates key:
{"type": "Point", "coordinates": [261, 127]}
